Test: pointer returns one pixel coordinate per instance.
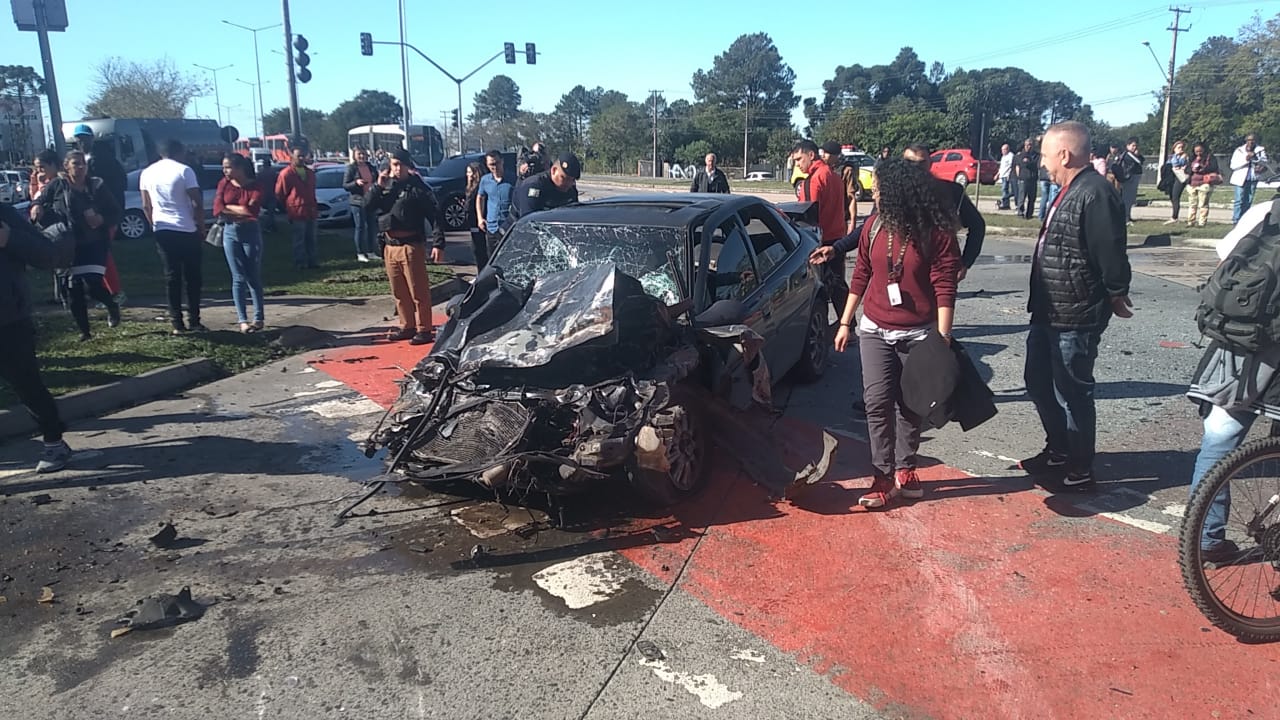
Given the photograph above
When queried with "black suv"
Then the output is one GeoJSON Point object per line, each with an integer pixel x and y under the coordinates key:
{"type": "Point", "coordinates": [448, 181]}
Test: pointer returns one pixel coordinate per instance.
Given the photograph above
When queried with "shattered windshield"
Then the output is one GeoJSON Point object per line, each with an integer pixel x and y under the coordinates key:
{"type": "Point", "coordinates": [533, 250]}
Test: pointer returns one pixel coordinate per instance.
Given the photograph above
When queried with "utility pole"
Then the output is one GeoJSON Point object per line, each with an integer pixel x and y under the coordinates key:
{"type": "Point", "coordinates": [295, 122]}
{"type": "Point", "coordinates": [654, 94]}
{"type": "Point", "coordinates": [746, 126]}
{"type": "Point", "coordinates": [404, 73]}
{"type": "Point", "coordinates": [1168, 91]}
{"type": "Point", "coordinates": [50, 84]}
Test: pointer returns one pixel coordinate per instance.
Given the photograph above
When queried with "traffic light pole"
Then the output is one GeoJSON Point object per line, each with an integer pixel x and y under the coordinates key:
{"type": "Point", "coordinates": [457, 80]}
{"type": "Point", "coordinates": [295, 122]}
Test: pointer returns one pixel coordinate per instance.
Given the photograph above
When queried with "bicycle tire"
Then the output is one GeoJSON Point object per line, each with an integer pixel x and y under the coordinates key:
{"type": "Point", "coordinates": [1189, 558]}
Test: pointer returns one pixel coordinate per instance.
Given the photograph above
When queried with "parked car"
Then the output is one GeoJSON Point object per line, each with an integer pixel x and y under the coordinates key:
{"type": "Point", "coordinates": [332, 201]}
{"type": "Point", "coordinates": [600, 342]}
{"type": "Point", "coordinates": [758, 176]}
{"type": "Point", "coordinates": [133, 224]}
{"type": "Point", "coordinates": [866, 168]}
{"type": "Point", "coordinates": [960, 166]}
{"type": "Point", "coordinates": [448, 181]}
{"type": "Point", "coordinates": [14, 185]}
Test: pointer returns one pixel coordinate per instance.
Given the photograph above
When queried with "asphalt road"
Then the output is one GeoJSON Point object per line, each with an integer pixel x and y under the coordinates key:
{"type": "Point", "coordinates": [994, 597]}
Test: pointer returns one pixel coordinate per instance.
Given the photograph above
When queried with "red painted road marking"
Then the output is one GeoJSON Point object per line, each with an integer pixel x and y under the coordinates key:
{"type": "Point", "coordinates": [978, 601]}
{"type": "Point", "coordinates": [372, 370]}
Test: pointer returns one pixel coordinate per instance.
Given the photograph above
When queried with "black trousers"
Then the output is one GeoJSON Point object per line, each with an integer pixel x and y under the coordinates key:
{"type": "Point", "coordinates": [180, 255]}
{"type": "Point", "coordinates": [90, 285]}
{"type": "Point", "coordinates": [479, 248]}
{"type": "Point", "coordinates": [1027, 204]}
{"type": "Point", "coordinates": [836, 282]}
{"type": "Point", "coordinates": [21, 370]}
{"type": "Point", "coordinates": [1175, 196]}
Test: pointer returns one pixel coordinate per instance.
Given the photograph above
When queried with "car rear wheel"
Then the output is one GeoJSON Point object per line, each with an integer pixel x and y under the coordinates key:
{"type": "Point", "coordinates": [817, 344]}
{"type": "Point", "coordinates": [455, 214]}
{"type": "Point", "coordinates": [670, 461]}
{"type": "Point", "coordinates": [133, 225]}
{"type": "Point", "coordinates": [962, 180]}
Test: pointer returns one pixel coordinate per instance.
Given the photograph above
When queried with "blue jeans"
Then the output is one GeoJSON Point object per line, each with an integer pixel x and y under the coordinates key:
{"type": "Point", "coordinates": [304, 243]}
{"type": "Point", "coordinates": [366, 230]}
{"type": "Point", "coordinates": [1048, 193]}
{"type": "Point", "coordinates": [1224, 430]}
{"type": "Point", "coordinates": [1059, 377]}
{"type": "Point", "coordinates": [1243, 201]}
{"type": "Point", "coordinates": [1006, 192]}
{"type": "Point", "coordinates": [242, 243]}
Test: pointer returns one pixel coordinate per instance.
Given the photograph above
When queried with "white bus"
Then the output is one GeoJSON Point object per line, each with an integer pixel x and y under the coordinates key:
{"type": "Point", "coordinates": [423, 142]}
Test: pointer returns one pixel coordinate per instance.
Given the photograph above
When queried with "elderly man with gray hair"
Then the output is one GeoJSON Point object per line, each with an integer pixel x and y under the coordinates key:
{"type": "Point", "coordinates": [710, 179]}
{"type": "Point", "coordinates": [1079, 278]}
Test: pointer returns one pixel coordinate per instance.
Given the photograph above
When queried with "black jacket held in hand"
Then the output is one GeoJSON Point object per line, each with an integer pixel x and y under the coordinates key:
{"type": "Point", "coordinates": [940, 383]}
{"type": "Point", "coordinates": [408, 206]}
{"type": "Point", "coordinates": [1083, 263]}
{"type": "Point", "coordinates": [27, 247]}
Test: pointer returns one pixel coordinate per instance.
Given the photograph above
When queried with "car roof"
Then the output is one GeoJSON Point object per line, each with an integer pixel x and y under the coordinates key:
{"type": "Point", "coordinates": [673, 210]}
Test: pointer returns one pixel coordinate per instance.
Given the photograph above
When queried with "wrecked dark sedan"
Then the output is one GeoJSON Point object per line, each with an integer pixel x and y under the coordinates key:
{"type": "Point", "coordinates": [606, 341]}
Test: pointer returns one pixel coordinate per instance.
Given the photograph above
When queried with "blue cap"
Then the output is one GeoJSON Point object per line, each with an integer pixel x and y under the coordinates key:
{"type": "Point", "coordinates": [82, 129]}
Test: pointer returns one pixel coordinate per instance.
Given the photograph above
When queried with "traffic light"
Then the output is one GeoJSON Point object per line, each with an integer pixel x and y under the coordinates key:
{"type": "Point", "coordinates": [509, 51]}
{"type": "Point", "coordinates": [302, 60]}
{"type": "Point", "coordinates": [366, 44]}
{"type": "Point", "coordinates": [530, 54]}
{"type": "Point", "coordinates": [454, 112]}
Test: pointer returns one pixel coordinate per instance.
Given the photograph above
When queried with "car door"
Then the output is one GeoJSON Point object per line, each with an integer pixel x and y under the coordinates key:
{"type": "Point", "coordinates": [782, 286]}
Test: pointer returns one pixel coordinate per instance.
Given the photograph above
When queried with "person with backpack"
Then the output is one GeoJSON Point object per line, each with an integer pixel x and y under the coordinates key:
{"type": "Point", "coordinates": [847, 171]}
{"type": "Point", "coordinates": [1127, 169]}
{"type": "Point", "coordinates": [1080, 278]}
{"type": "Point", "coordinates": [23, 246]}
{"type": "Point", "coordinates": [1235, 380]}
{"type": "Point", "coordinates": [82, 206]}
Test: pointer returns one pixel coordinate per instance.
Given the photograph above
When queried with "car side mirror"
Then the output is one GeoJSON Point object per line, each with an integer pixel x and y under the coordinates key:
{"type": "Point", "coordinates": [721, 312]}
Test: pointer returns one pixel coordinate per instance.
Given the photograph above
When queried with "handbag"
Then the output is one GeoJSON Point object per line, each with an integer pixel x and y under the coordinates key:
{"type": "Point", "coordinates": [214, 236]}
{"type": "Point", "coordinates": [1213, 178]}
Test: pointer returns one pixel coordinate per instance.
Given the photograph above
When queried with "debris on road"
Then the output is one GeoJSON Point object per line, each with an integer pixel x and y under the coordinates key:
{"type": "Point", "coordinates": [162, 610]}
{"type": "Point", "coordinates": [649, 650]}
{"type": "Point", "coordinates": [41, 499]}
{"type": "Point", "coordinates": [46, 595]}
{"type": "Point", "coordinates": [166, 537]}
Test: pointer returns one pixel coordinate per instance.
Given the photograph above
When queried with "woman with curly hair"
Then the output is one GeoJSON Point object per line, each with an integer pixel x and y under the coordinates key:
{"type": "Point", "coordinates": [905, 280]}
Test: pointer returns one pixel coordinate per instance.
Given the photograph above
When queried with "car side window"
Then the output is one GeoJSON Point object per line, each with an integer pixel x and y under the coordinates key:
{"type": "Point", "coordinates": [731, 274]}
{"type": "Point", "coordinates": [769, 241]}
{"type": "Point", "coordinates": [936, 157]}
{"type": "Point", "coordinates": [954, 156]}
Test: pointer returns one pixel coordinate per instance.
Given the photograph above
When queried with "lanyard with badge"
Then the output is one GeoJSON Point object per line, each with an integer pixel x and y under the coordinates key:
{"type": "Point", "coordinates": [895, 271]}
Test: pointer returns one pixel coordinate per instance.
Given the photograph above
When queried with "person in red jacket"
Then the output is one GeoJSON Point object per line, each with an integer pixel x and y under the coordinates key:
{"type": "Point", "coordinates": [905, 280]}
{"type": "Point", "coordinates": [296, 189]}
{"type": "Point", "coordinates": [824, 187]}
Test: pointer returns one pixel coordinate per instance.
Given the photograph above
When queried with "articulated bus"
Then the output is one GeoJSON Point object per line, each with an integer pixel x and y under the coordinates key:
{"type": "Point", "coordinates": [423, 142]}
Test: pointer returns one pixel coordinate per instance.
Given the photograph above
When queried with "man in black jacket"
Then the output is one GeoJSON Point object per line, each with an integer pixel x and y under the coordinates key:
{"type": "Point", "coordinates": [1079, 278]}
{"type": "Point", "coordinates": [971, 219]}
{"type": "Point", "coordinates": [358, 181]}
{"type": "Point", "coordinates": [405, 207]}
{"type": "Point", "coordinates": [21, 245]}
{"type": "Point", "coordinates": [710, 179]}
{"type": "Point", "coordinates": [1026, 167]}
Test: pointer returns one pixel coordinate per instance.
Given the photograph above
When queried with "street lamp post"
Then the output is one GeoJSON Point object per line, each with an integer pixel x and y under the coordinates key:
{"type": "Point", "coordinates": [216, 100]}
{"type": "Point", "coordinates": [257, 113]}
{"type": "Point", "coordinates": [256, 62]}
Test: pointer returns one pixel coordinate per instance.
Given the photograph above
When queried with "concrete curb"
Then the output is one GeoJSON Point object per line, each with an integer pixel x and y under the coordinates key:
{"type": "Point", "coordinates": [447, 288]}
{"type": "Point", "coordinates": [95, 401]}
{"type": "Point", "coordinates": [1017, 233]}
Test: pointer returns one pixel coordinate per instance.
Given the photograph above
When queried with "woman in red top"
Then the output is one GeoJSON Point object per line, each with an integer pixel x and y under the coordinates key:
{"type": "Point", "coordinates": [905, 280]}
{"type": "Point", "coordinates": [238, 204]}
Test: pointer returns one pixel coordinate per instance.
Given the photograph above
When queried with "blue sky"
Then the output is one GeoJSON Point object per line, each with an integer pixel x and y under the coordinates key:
{"type": "Point", "coordinates": [1094, 46]}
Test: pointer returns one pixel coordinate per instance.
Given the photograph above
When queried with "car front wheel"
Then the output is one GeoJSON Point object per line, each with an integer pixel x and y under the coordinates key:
{"type": "Point", "coordinates": [455, 214]}
{"type": "Point", "coordinates": [670, 459]}
{"type": "Point", "coordinates": [134, 224]}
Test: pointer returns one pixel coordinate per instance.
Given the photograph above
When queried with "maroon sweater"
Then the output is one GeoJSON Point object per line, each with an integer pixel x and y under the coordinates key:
{"type": "Point", "coordinates": [926, 284]}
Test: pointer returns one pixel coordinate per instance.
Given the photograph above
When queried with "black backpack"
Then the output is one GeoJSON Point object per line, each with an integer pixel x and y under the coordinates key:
{"type": "Point", "coordinates": [1240, 304]}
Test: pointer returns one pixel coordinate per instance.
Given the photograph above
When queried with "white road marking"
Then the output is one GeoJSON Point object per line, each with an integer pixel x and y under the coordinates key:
{"type": "Point", "coordinates": [583, 582]}
{"type": "Point", "coordinates": [1149, 526]}
{"type": "Point", "coordinates": [709, 691]}
{"type": "Point", "coordinates": [329, 384]}
{"type": "Point", "coordinates": [345, 408]}
{"type": "Point", "coordinates": [306, 370]}
{"type": "Point", "coordinates": [309, 393]}
{"type": "Point", "coordinates": [748, 655]}
{"type": "Point", "coordinates": [994, 456]}
{"type": "Point", "coordinates": [1175, 509]}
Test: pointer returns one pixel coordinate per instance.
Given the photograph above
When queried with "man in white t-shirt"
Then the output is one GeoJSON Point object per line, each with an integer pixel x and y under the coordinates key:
{"type": "Point", "coordinates": [1005, 176]}
{"type": "Point", "coordinates": [174, 206]}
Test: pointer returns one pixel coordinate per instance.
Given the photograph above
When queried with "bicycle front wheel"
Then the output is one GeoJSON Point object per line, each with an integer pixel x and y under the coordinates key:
{"type": "Point", "coordinates": [1235, 581]}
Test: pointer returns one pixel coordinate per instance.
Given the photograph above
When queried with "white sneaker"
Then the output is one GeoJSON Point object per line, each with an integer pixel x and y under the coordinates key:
{"type": "Point", "coordinates": [54, 458]}
{"type": "Point", "coordinates": [361, 257]}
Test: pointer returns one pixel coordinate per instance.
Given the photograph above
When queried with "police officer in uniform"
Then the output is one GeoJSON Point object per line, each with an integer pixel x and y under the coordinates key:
{"type": "Point", "coordinates": [548, 189]}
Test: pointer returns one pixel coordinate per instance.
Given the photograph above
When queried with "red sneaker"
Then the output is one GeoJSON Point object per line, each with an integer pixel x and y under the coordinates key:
{"type": "Point", "coordinates": [908, 484]}
{"type": "Point", "coordinates": [882, 490]}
